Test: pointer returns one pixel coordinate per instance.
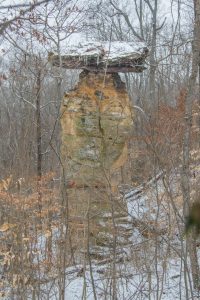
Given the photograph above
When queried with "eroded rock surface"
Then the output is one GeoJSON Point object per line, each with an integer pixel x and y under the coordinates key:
{"type": "Point", "coordinates": [96, 121]}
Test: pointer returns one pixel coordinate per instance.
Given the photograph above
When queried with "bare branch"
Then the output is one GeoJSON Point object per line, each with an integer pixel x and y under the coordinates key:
{"type": "Point", "coordinates": [24, 5]}
{"type": "Point", "coordinates": [149, 5]}
{"type": "Point", "coordinates": [7, 23]}
{"type": "Point", "coordinates": [127, 20]}
{"type": "Point", "coordinates": [161, 26]}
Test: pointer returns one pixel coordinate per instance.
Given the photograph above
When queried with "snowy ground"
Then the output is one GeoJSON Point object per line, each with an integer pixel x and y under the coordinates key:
{"type": "Point", "coordinates": [132, 286]}
{"type": "Point", "coordinates": [144, 271]}
{"type": "Point", "coordinates": [150, 266]}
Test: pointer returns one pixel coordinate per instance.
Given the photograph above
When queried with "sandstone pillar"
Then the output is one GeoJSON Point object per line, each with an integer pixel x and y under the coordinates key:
{"type": "Point", "coordinates": [96, 122]}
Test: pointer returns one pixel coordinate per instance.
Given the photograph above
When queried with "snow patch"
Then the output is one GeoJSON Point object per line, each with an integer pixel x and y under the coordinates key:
{"type": "Point", "coordinates": [107, 50]}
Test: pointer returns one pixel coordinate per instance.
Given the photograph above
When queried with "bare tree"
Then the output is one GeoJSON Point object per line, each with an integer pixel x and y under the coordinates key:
{"type": "Point", "coordinates": [19, 10]}
{"type": "Point", "coordinates": [185, 180]}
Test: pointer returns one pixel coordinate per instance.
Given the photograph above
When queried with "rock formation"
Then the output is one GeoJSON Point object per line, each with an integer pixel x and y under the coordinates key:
{"type": "Point", "coordinates": [96, 122]}
{"type": "Point", "coordinates": [113, 57]}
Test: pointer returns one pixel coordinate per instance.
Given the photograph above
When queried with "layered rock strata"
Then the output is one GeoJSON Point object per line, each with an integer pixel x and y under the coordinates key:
{"type": "Point", "coordinates": [96, 121]}
{"type": "Point", "coordinates": [100, 56]}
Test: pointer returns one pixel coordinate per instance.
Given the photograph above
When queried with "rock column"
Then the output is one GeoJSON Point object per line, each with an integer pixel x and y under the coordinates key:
{"type": "Point", "coordinates": [96, 121]}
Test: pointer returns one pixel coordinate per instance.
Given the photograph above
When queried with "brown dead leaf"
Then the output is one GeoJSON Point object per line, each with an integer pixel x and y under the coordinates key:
{"type": "Point", "coordinates": [26, 239]}
{"type": "Point", "coordinates": [47, 234]}
{"type": "Point", "coordinates": [5, 183]}
{"type": "Point", "coordinates": [6, 226]}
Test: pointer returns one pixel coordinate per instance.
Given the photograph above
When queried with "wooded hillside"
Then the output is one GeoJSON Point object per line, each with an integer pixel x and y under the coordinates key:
{"type": "Point", "coordinates": [99, 149]}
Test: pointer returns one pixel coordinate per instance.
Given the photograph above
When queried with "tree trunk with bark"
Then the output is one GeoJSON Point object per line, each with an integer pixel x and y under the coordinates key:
{"type": "Point", "coordinates": [185, 176]}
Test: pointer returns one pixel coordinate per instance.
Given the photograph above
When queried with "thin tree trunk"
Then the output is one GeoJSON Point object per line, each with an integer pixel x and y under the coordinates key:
{"type": "Point", "coordinates": [185, 176]}
{"type": "Point", "coordinates": [38, 135]}
{"type": "Point", "coordinates": [39, 130]}
{"type": "Point", "coordinates": [152, 60]}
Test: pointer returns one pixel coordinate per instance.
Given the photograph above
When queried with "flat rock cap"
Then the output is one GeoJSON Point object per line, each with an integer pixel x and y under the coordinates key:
{"type": "Point", "coordinates": [103, 56]}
